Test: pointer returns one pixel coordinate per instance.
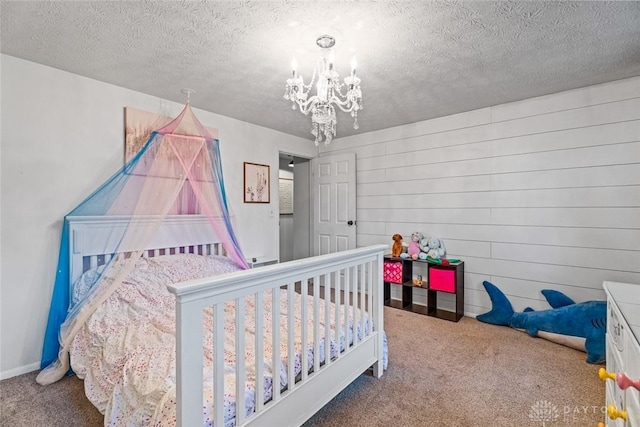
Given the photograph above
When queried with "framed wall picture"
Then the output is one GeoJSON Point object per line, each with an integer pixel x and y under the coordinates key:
{"type": "Point", "coordinates": [256, 183]}
{"type": "Point", "coordinates": [286, 196]}
{"type": "Point", "coordinates": [138, 125]}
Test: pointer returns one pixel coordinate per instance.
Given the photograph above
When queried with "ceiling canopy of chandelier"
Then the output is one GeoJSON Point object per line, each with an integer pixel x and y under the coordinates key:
{"type": "Point", "coordinates": [328, 93]}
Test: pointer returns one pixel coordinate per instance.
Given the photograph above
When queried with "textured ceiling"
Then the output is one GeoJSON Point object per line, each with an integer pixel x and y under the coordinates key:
{"type": "Point", "coordinates": [417, 59]}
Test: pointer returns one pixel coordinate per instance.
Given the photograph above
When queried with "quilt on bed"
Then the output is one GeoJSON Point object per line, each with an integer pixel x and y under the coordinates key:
{"type": "Point", "coordinates": [126, 351]}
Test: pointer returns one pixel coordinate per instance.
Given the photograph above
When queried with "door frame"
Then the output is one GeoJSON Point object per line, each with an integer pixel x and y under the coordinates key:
{"type": "Point", "coordinates": [308, 230]}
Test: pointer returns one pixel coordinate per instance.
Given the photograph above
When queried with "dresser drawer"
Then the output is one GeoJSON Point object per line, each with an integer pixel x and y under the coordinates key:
{"type": "Point", "coordinates": [615, 395]}
{"type": "Point", "coordinates": [612, 400]}
{"type": "Point", "coordinates": [614, 360]}
{"type": "Point", "coordinates": [633, 407]}
{"type": "Point", "coordinates": [616, 327]}
{"type": "Point", "coordinates": [632, 370]}
{"type": "Point", "coordinates": [632, 357]}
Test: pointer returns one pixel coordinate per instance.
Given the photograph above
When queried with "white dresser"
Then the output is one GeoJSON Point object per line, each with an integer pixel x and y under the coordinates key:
{"type": "Point", "coordinates": [623, 353]}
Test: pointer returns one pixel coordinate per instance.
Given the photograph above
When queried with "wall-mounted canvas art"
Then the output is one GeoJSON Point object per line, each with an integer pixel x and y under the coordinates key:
{"type": "Point", "coordinates": [139, 124]}
{"type": "Point", "coordinates": [256, 183]}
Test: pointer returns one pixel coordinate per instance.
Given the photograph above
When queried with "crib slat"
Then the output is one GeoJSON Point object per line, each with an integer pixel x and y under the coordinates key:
{"type": "Point", "coordinates": [354, 304]}
{"type": "Point", "coordinates": [93, 261]}
{"type": "Point", "coordinates": [348, 324]}
{"type": "Point", "coordinates": [218, 369]}
{"type": "Point", "coordinates": [347, 306]}
{"type": "Point", "coordinates": [327, 319]}
{"type": "Point", "coordinates": [240, 361]}
{"type": "Point", "coordinates": [370, 294]}
{"type": "Point", "coordinates": [304, 353]}
{"type": "Point", "coordinates": [316, 324]}
{"type": "Point", "coordinates": [337, 324]}
{"type": "Point", "coordinates": [291, 354]}
{"type": "Point", "coordinates": [348, 319]}
{"type": "Point", "coordinates": [377, 312]}
{"type": "Point", "coordinates": [275, 328]}
{"type": "Point", "coordinates": [189, 328]}
{"type": "Point", "coordinates": [259, 352]}
{"type": "Point", "coordinates": [361, 281]}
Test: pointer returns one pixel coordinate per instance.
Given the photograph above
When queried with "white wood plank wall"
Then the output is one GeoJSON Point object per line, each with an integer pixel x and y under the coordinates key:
{"type": "Point", "coordinates": [540, 193]}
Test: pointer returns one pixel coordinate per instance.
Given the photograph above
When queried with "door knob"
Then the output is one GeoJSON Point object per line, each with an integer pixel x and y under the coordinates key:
{"type": "Point", "coordinates": [350, 222]}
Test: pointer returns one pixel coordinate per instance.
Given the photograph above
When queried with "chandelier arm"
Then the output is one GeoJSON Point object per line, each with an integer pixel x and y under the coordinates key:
{"type": "Point", "coordinates": [313, 78]}
{"type": "Point", "coordinates": [306, 106]}
{"type": "Point", "coordinates": [338, 88]}
{"type": "Point", "coordinates": [343, 104]}
{"type": "Point", "coordinates": [347, 110]}
{"type": "Point", "coordinates": [340, 102]}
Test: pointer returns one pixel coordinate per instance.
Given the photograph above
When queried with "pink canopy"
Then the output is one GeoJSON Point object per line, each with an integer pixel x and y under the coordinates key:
{"type": "Point", "coordinates": [177, 172]}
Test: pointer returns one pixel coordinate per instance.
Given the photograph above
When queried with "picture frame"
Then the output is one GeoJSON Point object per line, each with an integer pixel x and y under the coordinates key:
{"type": "Point", "coordinates": [138, 125]}
{"type": "Point", "coordinates": [286, 196]}
{"type": "Point", "coordinates": [257, 188]}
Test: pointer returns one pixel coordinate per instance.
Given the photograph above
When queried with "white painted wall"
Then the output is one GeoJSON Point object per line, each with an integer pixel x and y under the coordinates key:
{"type": "Point", "coordinates": [541, 193]}
{"type": "Point", "coordinates": [62, 136]}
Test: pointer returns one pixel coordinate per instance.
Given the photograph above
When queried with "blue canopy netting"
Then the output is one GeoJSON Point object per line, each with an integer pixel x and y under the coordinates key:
{"type": "Point", "coordinates": [177, 172]}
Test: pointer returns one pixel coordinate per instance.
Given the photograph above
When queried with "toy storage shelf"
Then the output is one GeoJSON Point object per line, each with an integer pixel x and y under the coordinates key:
{"type": "Point", "coordinates": [440, 278]}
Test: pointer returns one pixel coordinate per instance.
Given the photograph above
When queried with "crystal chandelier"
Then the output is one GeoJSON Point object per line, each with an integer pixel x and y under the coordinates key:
{"type": "Point", "coordinates": [328, 93]}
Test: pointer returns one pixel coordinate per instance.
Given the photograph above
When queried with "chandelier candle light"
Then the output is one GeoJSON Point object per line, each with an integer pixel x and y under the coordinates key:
{"type": "Point", "coordinates": [328, 93]}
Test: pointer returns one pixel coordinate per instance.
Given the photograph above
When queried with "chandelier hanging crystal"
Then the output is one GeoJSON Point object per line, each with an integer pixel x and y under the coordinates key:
{"type": "Point", "coordinates": [328, 93]}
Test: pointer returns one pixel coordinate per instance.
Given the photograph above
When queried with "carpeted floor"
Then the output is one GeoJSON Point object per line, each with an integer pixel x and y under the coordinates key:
{"type": "Point", "coordinates": [440, 374]}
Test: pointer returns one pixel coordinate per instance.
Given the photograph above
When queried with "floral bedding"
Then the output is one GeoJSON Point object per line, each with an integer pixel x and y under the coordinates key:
{"type": "Point", "coordinates": [126, 351]}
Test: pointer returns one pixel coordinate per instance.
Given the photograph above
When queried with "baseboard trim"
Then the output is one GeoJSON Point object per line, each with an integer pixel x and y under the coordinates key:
{"type": "Point", "coordinates": [19, 371]}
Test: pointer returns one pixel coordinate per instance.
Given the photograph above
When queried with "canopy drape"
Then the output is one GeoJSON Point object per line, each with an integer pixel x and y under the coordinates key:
{"type": "Point", "coordinates": [177, 172]}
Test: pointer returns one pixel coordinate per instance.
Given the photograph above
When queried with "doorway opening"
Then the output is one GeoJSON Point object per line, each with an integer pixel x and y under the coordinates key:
{"type": "Point", "coordinates": [295, 212]}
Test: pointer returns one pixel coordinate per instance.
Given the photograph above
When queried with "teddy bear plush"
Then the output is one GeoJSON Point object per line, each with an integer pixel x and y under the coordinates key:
{"type": "Point", "coordinates": [396, 249]}
{"type": "Point", "coordinates": [436, 248]}
{"type": "Point", "coordinates": [424, 248]}
{"type": "Point", "coordinates": [414, 246]}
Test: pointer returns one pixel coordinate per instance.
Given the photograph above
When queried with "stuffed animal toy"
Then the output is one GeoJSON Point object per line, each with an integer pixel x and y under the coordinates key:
{"type": "Point", "coordinates": [424, 248]}
{"type": "Point", "coordinates": [436, 248]}
{"type": "Point", "coordinates": [414, 245]}
{"type": "Point", "coordinates": [396, 249]}
{"type": "Point", "coordinates": [578, 325]}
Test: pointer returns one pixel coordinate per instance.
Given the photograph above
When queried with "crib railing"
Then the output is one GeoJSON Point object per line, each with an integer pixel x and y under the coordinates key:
{"type": "Point", "coordinates": [352, 280]}
{"type": "Point", "coordinates": [93, 261]}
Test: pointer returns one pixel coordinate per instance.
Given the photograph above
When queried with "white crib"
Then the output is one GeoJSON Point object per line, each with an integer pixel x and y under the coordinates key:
{"type": "Point", "coordinates": [352, 277]}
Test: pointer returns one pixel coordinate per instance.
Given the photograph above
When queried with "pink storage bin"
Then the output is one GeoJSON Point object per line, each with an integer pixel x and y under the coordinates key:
{"type": "Point", "coordinates": [442, 280]}
{"type": "Point", "coordinates": [392, 271]}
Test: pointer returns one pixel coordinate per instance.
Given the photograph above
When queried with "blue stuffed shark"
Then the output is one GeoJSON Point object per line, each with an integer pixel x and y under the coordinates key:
{"type": "Point", "coordinates": [586, 320]}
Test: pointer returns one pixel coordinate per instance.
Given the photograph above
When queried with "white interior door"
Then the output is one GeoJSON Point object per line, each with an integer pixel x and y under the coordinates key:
{"type": "Point", "coordinates": [333, 182]}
